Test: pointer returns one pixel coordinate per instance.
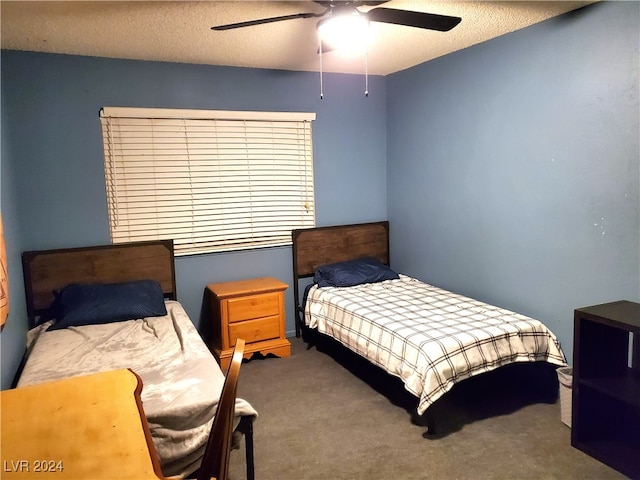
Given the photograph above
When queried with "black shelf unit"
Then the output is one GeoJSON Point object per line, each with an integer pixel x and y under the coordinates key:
{"type": "Point", "coordinates": [606, 384]}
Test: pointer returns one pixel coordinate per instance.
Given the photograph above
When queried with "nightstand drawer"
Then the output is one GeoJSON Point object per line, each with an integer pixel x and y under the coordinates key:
{"type": "Point", "coordinates": [255, 330]}
{"type": "Point", "coordinates": [254, 306]}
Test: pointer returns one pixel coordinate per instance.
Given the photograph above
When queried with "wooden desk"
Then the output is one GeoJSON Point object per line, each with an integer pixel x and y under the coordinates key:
{"type": "Point", "coordinates": [89, 427]}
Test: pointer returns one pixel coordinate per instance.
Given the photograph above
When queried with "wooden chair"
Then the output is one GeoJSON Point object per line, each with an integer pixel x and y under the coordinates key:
{"type": "Point", "coordinates": [215, 463]}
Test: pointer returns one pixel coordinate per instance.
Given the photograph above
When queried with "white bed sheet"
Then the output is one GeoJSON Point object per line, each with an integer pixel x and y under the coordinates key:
{"type": "Point", "coordinates": [429, 337]}
{"type": "Point", "coordinates": [181, 380]}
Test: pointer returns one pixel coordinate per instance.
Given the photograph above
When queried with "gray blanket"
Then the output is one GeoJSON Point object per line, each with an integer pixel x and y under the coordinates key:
{"type": "Point", "coordinates": [181, 380]}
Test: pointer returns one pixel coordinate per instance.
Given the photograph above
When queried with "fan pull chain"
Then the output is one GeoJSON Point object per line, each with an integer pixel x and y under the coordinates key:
{"type": "Point", "coordinates": [366, 72]}
{"type": "Point", "coordinates": [321, 88]}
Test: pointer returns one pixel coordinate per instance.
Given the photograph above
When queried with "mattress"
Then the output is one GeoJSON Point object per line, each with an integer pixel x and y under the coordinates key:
{"type": "Point", "coordinates": [428, 337]}
{"type": "Point", "coordinates": [181, 380]}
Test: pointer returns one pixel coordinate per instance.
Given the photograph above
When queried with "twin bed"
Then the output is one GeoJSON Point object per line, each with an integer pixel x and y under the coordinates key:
{"type": "Point", "coordinates": [115, 307]}
{"type": "Point", "coordinates": [428, 337]}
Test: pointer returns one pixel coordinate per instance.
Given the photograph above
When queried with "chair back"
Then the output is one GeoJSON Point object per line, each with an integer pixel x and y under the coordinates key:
{"type": "Point", "coordinates": [215, 463]}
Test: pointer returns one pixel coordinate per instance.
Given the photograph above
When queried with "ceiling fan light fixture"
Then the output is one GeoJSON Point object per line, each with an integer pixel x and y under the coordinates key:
{"type": "Point", "coordinates": [345, 28]}
{"type": "Point", "coordinates": [345, 31]}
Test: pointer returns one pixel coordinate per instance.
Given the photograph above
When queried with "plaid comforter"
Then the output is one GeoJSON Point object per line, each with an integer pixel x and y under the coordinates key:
{"type": "Point", "coordinates": [429, 337]}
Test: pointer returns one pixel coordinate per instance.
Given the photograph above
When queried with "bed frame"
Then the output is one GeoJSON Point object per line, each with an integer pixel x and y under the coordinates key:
{"type": "Point", "coordinates": [324, 245]}
{"type": "Point", "coordinates": [313, 247]}
{"type": "Point", "coordinates": [48, 270]}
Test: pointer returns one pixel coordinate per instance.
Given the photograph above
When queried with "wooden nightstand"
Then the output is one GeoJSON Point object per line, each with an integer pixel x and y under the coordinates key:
{"type": "Point", "coordinates": [252, 310]}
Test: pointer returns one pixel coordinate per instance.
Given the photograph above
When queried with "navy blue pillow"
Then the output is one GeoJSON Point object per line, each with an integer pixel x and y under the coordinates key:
{"type": "Point", "coordinates": [353, 272]}
{"type": "Point", "coordinates": [97, 303]}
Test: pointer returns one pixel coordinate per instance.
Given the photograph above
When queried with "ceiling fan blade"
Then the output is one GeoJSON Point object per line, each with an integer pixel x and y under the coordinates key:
{"type": "Point", "coordinates": [430, 21]}
{"type": "Point", "coordinates": [262, 21]}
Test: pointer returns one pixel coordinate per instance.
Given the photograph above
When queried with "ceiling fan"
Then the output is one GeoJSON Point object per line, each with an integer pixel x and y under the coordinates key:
{"type": "Point", "coordinates": [333, 8]}
{"type": "Point", "coordinates": [341, 22]}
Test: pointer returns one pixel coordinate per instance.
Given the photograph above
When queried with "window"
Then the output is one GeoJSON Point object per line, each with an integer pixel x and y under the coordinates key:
{"type": "Point", "coordinates": [210, 180]}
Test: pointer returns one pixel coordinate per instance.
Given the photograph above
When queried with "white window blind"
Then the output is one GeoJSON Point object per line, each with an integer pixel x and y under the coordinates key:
{"type": "Point", "coordinates": [210, 180]}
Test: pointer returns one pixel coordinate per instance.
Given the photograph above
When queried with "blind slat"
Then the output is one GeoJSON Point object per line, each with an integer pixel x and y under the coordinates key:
{"type": "Point", "coordinates": [209, 184]}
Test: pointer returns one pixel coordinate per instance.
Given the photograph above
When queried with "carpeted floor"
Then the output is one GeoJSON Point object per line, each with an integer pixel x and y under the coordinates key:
{"type": "Point", "coordinates": [326, 415]}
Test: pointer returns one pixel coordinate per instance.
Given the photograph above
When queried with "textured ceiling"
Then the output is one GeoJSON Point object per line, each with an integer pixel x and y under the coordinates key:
{"type": "Point", "coordinates": [180, 31]}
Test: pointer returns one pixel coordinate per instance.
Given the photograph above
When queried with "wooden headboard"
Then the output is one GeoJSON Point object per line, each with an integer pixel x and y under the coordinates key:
{"type": "Point", "coordinates": [48, 270]}
{"type": "Point", "coordinates": [313, 247]}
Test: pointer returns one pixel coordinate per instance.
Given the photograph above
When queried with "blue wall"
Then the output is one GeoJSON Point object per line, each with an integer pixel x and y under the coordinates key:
{"type": "Point", "coordinates": [52, 154]}
{"type": "Point", "coordinates": [509, 170]}
{"type": "Point", "coordinates": [513, 167]}
{"type": "Point", "coordinates": [14, 331]}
